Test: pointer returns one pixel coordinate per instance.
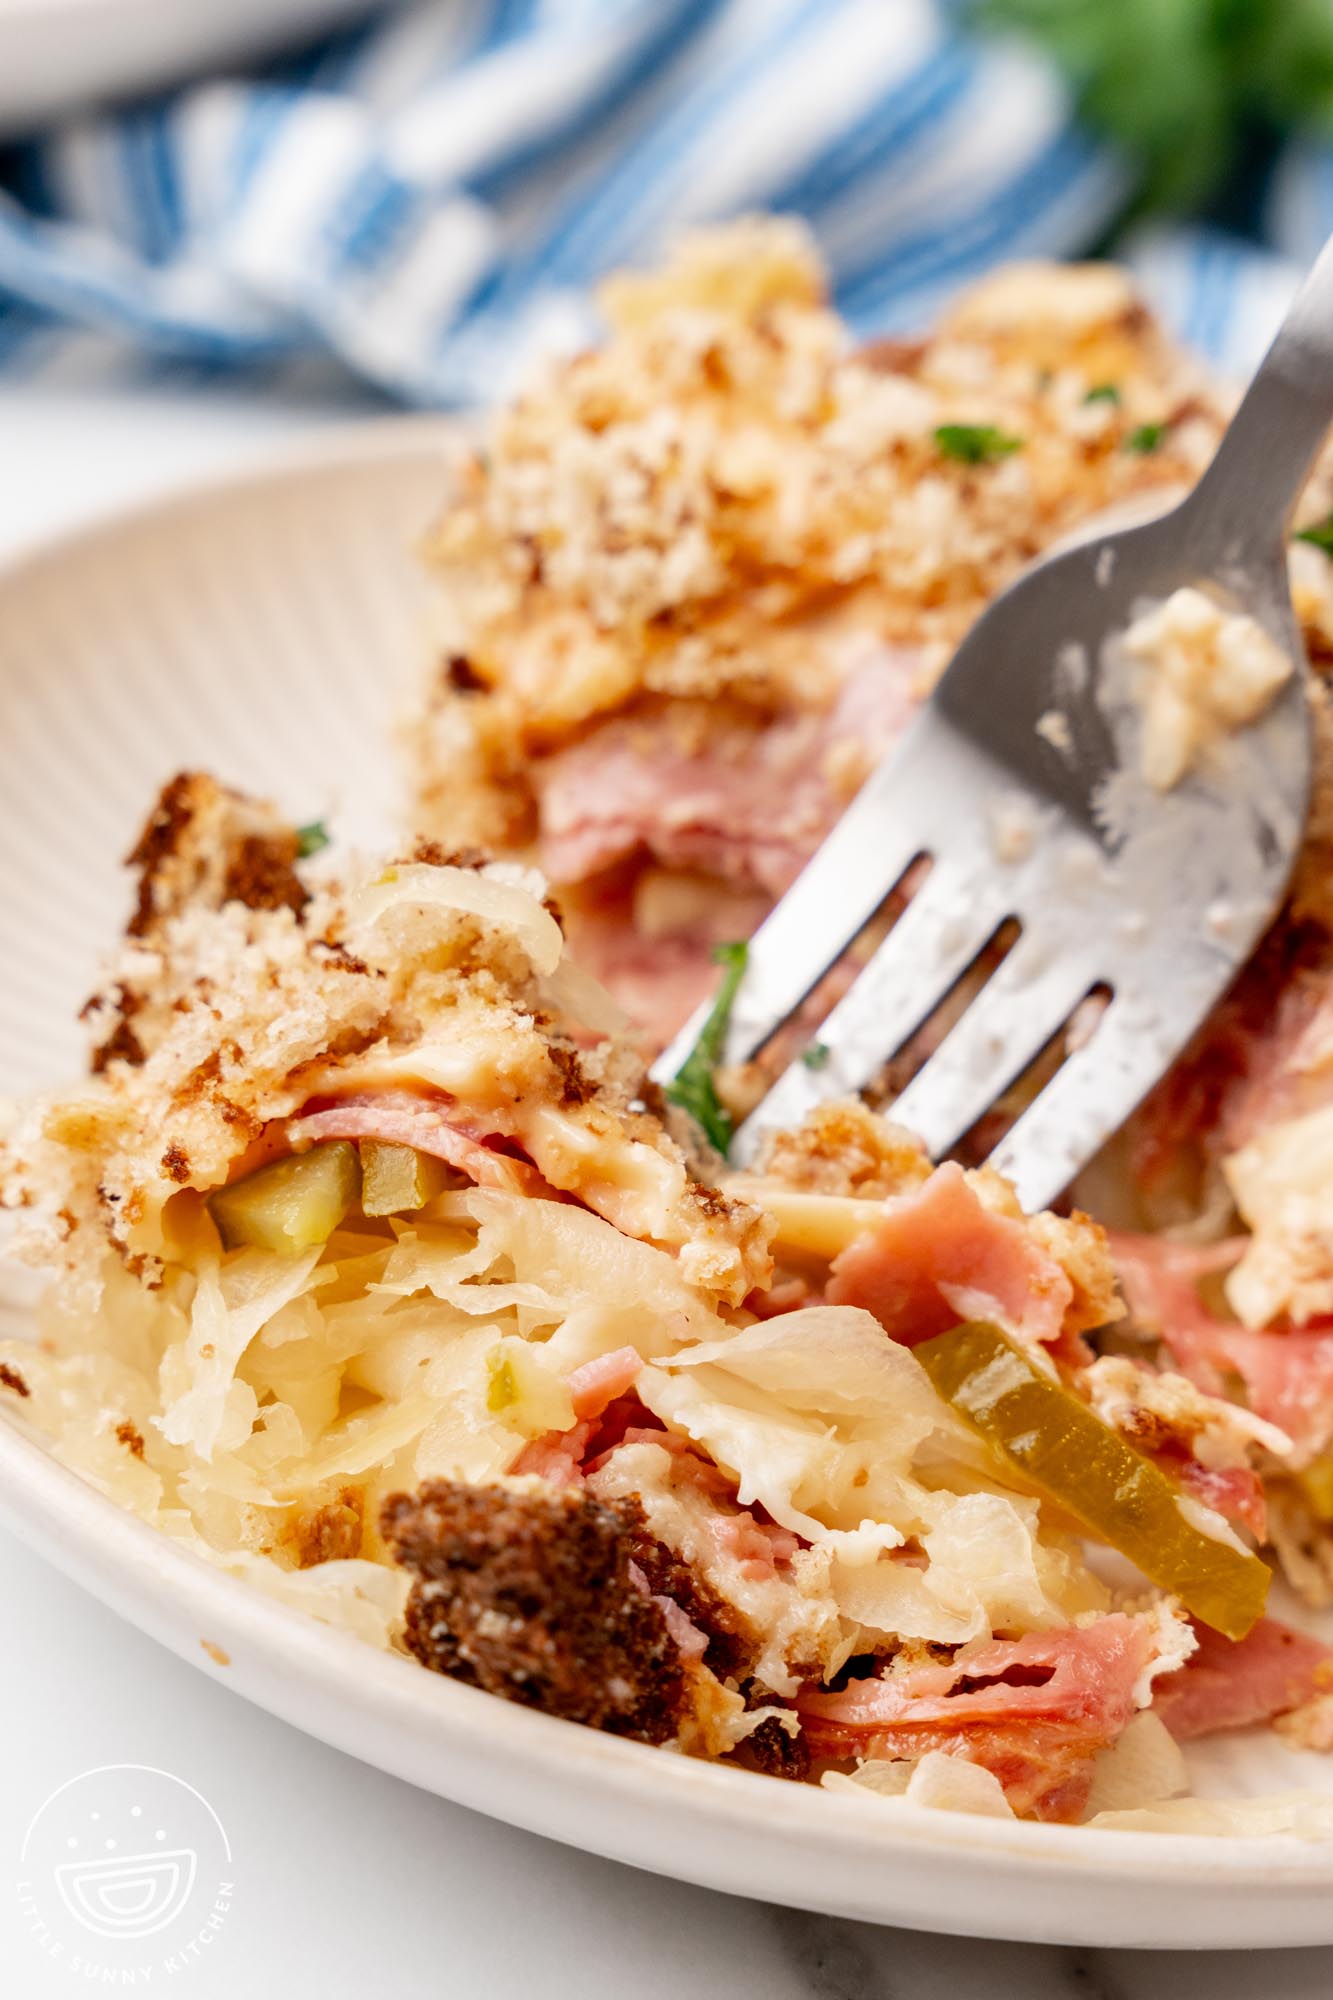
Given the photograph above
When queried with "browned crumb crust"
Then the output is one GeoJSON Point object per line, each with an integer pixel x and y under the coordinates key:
{"type": "Point", "coordinates": [529, 1595]}
{"type": "Point", "coordinates": [845, 1148]}
{"type": "Point", "coordinates": [122, 1044]}
{"type": "Point", "coordinates": [730, 1648]}
{"type": "Point", "coordinates": [161, 836]}
{"type": "Point", "coordinates": [11, 1379]}
{"type": "Point", "coordinates": [772, 1748]}
{"type": "Point", "coordinates": [260, 865]}
{"type": "Point", "coordinates": [261, 874]}
{"type": "Point", "coordinates": [202, 844]}
{"type": "Point", "coordinates": [131, 1437]}
{"type": "Point", "coordinates": [331, 1533]}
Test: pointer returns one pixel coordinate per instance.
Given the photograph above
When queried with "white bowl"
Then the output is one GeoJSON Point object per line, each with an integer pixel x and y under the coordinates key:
{"type": "Point", "coordinates": [263, 626]}
{"type": "Point", "coordinates": [56, 55]}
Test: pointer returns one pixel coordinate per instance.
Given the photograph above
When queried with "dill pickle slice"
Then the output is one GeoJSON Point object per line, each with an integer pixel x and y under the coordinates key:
{"type": "Point", "coordinates": [1067, 1454]}
{"type": "Point", "coordinates": [396, 1179]}
{"type": "Point", "coordinates": [292, 1204]}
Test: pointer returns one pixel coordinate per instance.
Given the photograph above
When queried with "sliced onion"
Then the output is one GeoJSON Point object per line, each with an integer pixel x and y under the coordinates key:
{"type": "Point", "coordinates": [507, 897]}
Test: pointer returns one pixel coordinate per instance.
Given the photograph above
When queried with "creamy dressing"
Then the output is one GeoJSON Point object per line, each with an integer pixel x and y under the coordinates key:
{"type": "Point", "coordinates": [1198, 671]}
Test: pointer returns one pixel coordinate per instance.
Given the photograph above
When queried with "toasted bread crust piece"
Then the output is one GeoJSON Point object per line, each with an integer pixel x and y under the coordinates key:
{"type": "Point", "coordinates": [529, 1595]}
{"type": "Point", "coordinates": [204, 843]}
{"type": "Point", "coordinates": [202, 846]}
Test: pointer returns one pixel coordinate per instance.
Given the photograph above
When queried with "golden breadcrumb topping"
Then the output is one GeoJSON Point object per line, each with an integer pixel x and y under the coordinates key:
{"type": "Point", "coordinates": [203, 846]}
{"type": "Point", "coordinates": [438, 979]}
{"type": "Point", "coordinates": [665, 515]}
{"type": "Point", "coordinates": [844, 1148]}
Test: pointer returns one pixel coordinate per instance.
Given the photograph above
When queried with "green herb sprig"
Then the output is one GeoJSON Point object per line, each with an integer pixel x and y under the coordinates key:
{"type": "Point", "coordinates": [312, 839]}
{"type": "Point", "coordinates": [975, 444]}
{"type": "Point", "coordinates": [1320, 533]}
{"type": "Point", "coordinates": [1147, 438]}
{"type": "Point", "coordinates": [693, 1088]}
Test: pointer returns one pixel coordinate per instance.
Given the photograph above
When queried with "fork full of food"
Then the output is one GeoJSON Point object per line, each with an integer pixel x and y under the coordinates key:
{"type": "Point", "coordinates": [1105, 795]}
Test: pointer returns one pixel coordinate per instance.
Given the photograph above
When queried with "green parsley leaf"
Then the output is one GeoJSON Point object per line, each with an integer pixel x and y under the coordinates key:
{"type": "Point", "coordinates": [1320, 533]}
{"type": "Point", "coordinates": [817, 1055]}
{"type": "Point", "coordinates": [1146, 438]}
{"type": "Point", "coordinates": [1105, 392]}
{"type": "Point", "coordinates": [312, 839]}
{"type": "Point", "coordinates": [692, 1088]}
{"type": "Point", "coordinates": [975, 444]}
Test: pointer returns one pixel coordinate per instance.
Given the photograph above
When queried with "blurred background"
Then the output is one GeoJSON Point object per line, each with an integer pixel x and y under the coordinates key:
{"type": "Point", "coordinates": [401, 205]}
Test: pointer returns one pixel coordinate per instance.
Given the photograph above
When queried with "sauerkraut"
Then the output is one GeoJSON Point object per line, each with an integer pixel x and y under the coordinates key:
{"type": "Point", "coordinates": [574, 1425]}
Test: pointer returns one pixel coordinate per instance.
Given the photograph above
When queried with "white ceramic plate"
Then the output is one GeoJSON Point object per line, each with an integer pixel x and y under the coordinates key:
{"type": "Point", "coordinates": [58, 54]}
{"type": "Point", "coordinates": [263, 627]}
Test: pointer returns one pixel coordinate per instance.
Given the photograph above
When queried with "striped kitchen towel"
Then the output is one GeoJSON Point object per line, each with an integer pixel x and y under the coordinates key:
{"type": "Point", "coordinates": [428, 199]}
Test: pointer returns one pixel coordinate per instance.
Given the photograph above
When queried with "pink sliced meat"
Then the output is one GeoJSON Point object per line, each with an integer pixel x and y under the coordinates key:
{"type": "Point", "coordinates": [1261, 1057]}
{"type": "Point", "coordinates": [1287, 1373]}
{"type": "Point", "coordinates": [1230, 1683]}
{"type": "Point", "coordinates": [1161, 1278]}
{"type": "Point", "coordinates": [429, 1125]}
{"type": "Point", "coordinates": [691, 1643]}
{"type": "Point", "coordinates": [751, 805]}
{"type": "Point", "coordinates": [658, 981]}
{"type": "Point", "coordinates": [556, 1455]}
{"type": "Point", "coordinates": [1236, 1492]}
{"type": "Point", "coordinates": [1288, 1376]}
{"type": "Point", "coordinates": [758, 1546]}
{"type": "Point", "coordinates": [599, 1382]}
{"type": "Point", "coordinates": [939, 1256]}
{"type": "Point", "coordinates": [1288, 1073]}
{"type": "Point", "coordinates": [1035, 1711]}
{"type": "Point", "coordinates": [738, 1535]}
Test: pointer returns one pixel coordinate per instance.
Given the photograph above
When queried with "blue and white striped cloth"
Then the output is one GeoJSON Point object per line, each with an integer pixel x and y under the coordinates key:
{"type": "Point", "coordinates": [428, 199]}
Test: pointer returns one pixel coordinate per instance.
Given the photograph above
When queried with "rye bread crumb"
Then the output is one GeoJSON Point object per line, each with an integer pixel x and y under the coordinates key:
{"type": "Point", "coordinates": [529, 1595]}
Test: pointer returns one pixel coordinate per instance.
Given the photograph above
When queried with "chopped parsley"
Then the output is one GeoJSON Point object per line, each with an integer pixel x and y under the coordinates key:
{"type": "Point", "coordinates": [1105, 392]}
{"type": "Point", "coordinates": [693, 1088]}
{"type": "Point", "coordinates": [817, 1055]}
{"type": "Point", "coordinates": [975, 444]}
{"type": "Point", "coordinates": [1320, 533]}
{"type": "Point", "coordinates": [312, 839]}
{"type": "Point", "coordinates": [1146, 438]}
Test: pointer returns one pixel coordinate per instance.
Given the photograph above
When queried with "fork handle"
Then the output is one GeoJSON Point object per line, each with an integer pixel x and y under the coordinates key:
{"type": "Point", "coordinates": [1244, 501]}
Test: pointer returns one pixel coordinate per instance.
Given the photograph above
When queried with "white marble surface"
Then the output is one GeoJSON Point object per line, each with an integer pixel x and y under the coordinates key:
{"type": "Point", "coordinates": [350, 1885]}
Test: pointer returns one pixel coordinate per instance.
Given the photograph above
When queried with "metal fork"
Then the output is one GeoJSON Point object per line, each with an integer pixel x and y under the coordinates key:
{"type": "Point", "coordinates": [1158, 897]}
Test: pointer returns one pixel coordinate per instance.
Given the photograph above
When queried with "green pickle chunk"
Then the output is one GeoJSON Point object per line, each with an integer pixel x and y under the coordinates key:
{"type": "Point", "coordinates": [1066, 1454]}
{"type": "Point", "coordinates": [396, 1179]}
{"type": "Point", "coordinates": [291, 1205]}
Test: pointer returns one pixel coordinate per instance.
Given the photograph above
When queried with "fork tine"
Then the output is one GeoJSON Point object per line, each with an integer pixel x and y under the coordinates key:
{"type": "Point", "coordinates": [1090, 1097]}
{"type": "Point", "coordinates": [949, 920]}
{"type": "Point", "coordinates": [834, 897]}
{"type": "Point", "coordinates": [1011, 1020]}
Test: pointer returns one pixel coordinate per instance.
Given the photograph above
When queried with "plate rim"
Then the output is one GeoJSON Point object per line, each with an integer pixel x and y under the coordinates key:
{"type": "Point", "coordinates": [307, 449]}
{"type": "Point", "coordinates": [107, 1550]}
{"type": "Point", "coordinates": [373, 1702]}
